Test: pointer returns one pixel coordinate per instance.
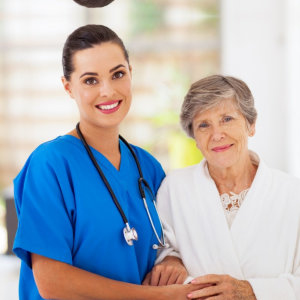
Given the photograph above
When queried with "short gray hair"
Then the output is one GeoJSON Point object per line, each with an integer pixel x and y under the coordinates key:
{"type": "Point", "coordinates": [210, 91]}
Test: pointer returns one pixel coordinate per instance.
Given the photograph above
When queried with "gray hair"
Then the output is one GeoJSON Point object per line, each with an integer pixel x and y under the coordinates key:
{"type": "Point", "coordinates": [210, 91]}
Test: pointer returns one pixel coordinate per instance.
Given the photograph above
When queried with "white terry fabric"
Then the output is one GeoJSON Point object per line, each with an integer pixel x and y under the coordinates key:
{"type": "Point", "coordinates": [263, 243]}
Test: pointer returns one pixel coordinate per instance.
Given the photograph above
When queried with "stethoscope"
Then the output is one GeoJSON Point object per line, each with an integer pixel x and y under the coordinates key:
{"type": "Point", "coordinates": [130, 233]}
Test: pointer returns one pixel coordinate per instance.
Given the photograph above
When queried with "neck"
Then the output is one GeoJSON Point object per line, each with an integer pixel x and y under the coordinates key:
{"type": "Point", "coordinates": [236, 178]}
{"type": "Point", "coordinates": [104, 140]}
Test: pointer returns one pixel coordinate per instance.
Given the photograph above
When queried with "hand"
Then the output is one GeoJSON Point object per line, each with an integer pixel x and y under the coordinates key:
{"type": "Point", "coordinates": [170, 271]}
{"type": "Point", "coordinates": [222, 287]}
{"type": "Point", "coordinates": [178, 291]}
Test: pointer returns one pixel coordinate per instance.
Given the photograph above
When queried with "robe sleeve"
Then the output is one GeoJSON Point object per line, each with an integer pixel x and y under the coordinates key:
{"type": "Point", "coordinates": [285, 286]}
{"type": "Point", "coordinates": [165, 212]}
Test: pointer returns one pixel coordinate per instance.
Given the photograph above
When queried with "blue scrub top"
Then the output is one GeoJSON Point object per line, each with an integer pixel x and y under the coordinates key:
{"type": "Point", "coordinates": [66, 213]}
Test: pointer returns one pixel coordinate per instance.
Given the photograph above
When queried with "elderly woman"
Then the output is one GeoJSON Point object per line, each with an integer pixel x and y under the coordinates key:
{"type": "Point", "coordinates": [233, 221]}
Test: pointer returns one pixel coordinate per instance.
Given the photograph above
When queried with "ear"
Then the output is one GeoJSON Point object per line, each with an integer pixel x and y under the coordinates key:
{"type": "Point", "coordinates": [67, 86]}
{"type": "Point", "coordinates": [252, 129]}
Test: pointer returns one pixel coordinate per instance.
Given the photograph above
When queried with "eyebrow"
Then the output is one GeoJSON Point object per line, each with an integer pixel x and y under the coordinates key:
{"type": "Point", "coordinates": [116, 67]}
{"type": "Point", "coordinates": [89, 73]}
{"type": "Point", "coordinates": [96, 74]}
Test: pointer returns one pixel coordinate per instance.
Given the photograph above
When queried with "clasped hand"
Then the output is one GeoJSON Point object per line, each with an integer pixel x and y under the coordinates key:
{"type": "Point", "coordinates": [213, 287]}
{"type": "Point", "coordinates": [222, 287]}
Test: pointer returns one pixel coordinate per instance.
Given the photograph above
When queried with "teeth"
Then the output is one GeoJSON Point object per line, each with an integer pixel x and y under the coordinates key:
{"type": "Point", "coordinates": [107, 107]}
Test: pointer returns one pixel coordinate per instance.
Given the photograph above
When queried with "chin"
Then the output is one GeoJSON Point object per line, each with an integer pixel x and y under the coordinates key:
{"type": "Point", "coordinates": [222, 164]}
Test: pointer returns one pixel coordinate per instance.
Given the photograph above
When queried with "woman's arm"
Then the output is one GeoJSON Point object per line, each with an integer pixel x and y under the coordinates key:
{"type": "Point", "coordinates": [56, 280]}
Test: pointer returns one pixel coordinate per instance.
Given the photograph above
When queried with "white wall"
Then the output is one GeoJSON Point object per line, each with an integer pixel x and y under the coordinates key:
{"type": "Point", "coordinates": [293, 84]}
{"type": "Point", "coordinates": [260, 45]}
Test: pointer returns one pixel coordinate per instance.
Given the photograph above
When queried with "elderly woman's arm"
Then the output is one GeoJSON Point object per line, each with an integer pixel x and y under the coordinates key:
{"type": "Point", "coordinates": [169, 268]}
{"type": "Point", "coordinates": [285, 286]}
{"type": "Point", "coordinates": [222, 287]}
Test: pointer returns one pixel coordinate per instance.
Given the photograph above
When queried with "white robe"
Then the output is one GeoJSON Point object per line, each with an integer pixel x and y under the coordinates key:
{"type": "Point", "coordinates": [263, 243]}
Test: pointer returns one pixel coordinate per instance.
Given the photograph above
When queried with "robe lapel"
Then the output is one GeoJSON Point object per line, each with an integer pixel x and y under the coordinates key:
{"type": "Point", "coordinates": [247, 225]}
{"type": "Point", "coordinates": [221, 245]}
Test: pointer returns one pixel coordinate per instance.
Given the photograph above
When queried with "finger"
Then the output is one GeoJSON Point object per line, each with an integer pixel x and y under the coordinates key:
{"type": "Point", "coordinates": [181, 278]}
{"type": "Point", "coordinates": [155, 277]}
{"type": "Point", "coordinates": [219, 297]}
{"type": "Point", "coordinates": [210, 278]}
{"type": "Point", "coordinates": [173, 278]}
{"type": "Point", "coordinates": [210, 291]}
{"type": "Point", "coordinates": [147, 279]}
{"type": "Point", "coordinates": [163, 279]}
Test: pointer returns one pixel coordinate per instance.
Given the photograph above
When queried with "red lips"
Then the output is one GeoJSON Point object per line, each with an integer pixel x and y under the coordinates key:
{"type": "Point", "coordinates": [109, 106]}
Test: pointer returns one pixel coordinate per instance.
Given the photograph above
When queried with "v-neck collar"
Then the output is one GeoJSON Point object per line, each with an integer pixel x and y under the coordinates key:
{"type": "Point", "coordinates": [102, 160]}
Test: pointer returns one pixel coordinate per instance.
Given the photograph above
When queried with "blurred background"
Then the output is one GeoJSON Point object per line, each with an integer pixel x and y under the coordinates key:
{"type": "Point", "coordinates": [171, 44]}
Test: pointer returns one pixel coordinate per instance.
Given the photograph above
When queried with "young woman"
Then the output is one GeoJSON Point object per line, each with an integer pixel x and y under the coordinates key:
{"type": "Point", "coordinates": [84, 231]}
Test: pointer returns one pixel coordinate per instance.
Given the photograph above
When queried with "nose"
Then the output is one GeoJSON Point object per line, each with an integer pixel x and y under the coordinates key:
{"type": "Point", "coordinates": [106, 89]}
{"type": "Point", "coordinates": [217, 133]}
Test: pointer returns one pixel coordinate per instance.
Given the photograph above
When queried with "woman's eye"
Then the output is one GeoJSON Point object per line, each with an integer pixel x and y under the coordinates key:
{"type": "Point", "coordinates": [91, 81]}
{"type": "Point", "coordinates": [203, 125]}
{"type": "Point", "coordinates": [118, 74]}
{"type": "Point", "coordinates": [227, 119]}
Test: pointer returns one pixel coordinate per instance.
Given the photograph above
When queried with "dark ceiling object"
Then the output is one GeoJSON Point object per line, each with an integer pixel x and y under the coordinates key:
{"type": "Point", "coordinates": [94, 3]}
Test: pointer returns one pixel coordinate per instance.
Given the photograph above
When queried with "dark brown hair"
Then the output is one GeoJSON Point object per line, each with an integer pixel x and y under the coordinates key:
{"type": "Point", "coordinates": [87, 37]}
{"type": "Point", "coordinates": [93, 3]}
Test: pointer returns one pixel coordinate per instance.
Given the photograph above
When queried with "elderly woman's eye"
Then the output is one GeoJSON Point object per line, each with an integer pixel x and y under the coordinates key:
{"type": "Point", "coordinates": [227, 119]}
{"type": "Point", "coordinates": [91, 81]}
{"type": "Point", "coordinates": [203, 125]}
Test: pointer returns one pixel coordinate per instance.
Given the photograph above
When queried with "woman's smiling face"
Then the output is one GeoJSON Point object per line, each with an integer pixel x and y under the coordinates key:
{"type": "Point", "coordinates": [221, 134]}
{"type": "Point", "coordinates": [101, 85]}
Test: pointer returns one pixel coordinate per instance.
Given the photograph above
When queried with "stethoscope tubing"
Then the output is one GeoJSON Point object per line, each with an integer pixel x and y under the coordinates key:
{"type": "Point", "coordinates": [127, 230]}
{"type": "Point", "coordinates": [116, 202]}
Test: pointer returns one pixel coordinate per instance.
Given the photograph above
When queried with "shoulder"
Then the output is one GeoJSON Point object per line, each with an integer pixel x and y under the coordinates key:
{"type": "Point", "coordinates": [59, 148]}
{"type": "Point", "coordinates": [182, 180]}
{"type": "Point", "coordinates": [279, 179]}
{"type": "Point", "coordinates": [49, 156]}
{"type": "Point", "coordinates": [183, 175]}
{"type": "Point", "coordinates": [283, 186]}
{"type": "Point", "coordinates": [284, 179]}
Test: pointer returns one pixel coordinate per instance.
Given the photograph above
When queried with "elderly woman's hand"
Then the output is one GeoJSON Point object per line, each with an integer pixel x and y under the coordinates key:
{"type": "Point", "coordinates": [222, 287]}
{"type": "Point", "coordinates": [170, 271]}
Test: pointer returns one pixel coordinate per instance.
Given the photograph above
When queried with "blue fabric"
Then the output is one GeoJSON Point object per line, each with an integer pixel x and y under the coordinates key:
{"type": "Point", "coordinates": [66, 213]}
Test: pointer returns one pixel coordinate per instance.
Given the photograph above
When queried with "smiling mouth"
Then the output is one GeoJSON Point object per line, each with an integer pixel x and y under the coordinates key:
{"type": "Point", "coordinates": [222, 148]}
{"type": "Point", "coordinates": [109, 107]}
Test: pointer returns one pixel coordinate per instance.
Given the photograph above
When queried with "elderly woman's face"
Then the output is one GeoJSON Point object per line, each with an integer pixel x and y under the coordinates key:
{"type": "Point", "coordinates": [221, 134]}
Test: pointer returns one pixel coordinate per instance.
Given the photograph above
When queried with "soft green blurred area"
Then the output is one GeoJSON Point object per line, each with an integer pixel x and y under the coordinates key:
{"type": "Point", "coordinates": [146, 16]}
{"type": "Point", "coordinates": [182, 150]}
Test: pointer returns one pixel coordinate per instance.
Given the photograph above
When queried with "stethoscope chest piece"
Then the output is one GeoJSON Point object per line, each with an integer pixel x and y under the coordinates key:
{"type": "Point", "coordinates": [130, 234]}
